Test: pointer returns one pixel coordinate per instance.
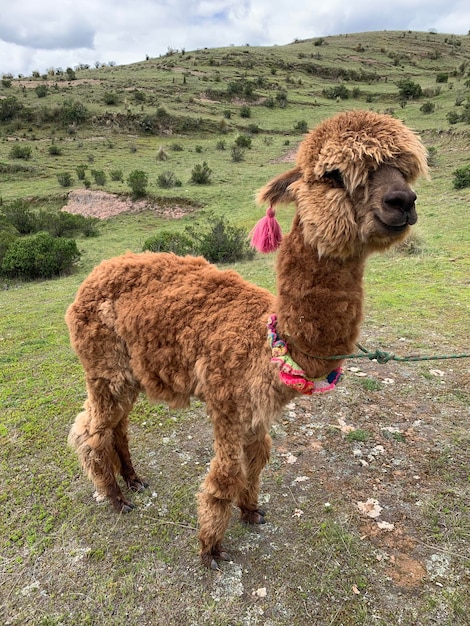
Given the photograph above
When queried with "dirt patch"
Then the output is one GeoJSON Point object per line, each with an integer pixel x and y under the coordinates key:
{"type": "Point", "coordinates": [103, 205]}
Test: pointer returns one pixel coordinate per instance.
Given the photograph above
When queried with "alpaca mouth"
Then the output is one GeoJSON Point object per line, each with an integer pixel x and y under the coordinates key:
{"type": "Point", "coordinates": [392, 228]}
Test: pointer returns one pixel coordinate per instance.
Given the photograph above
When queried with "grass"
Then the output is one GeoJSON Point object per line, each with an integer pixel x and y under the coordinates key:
{"type": "Point", "coordinates": [66, 560]}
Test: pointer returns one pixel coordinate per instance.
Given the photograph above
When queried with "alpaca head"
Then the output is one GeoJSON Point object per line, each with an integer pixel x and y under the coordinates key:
{"type": "Point", "coordinates": [351, 184]}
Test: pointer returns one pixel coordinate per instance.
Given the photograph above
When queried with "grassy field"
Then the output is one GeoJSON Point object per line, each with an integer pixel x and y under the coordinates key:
{"type": "Point", "coordinates": [396, 434]}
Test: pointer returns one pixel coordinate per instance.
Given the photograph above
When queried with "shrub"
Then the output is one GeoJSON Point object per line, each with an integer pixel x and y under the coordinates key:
{"type": "Point", "coordinates": [442, 77]}
{"type": "Point", "coordinates": [301, 126]}
{"type": "Point", "coordinates": [65, 179]}
{"type": "Point", "coordinates": [220, 145]}
{"type": "Point", "coordinates": [243, 141]}
{"type": "Point", "coordinates": [166, 180]}
{"type": "Point", "coordinates": [20, 151]}
{"type": "Point", "coordinates": [238, 154]}
{"type": "Point", "coordinates": [461, 177]}
{"type": "Point", "coordinates": [110, 98]}
{"type": "Point", "coordinates": [245, 111]}
{"type": "Point", "coordinates": [99, 176]}
{"type": "Point", "coordinates": [427, 107]}
{"type": "Point", "coordinates": [201, 174]}
{"type": "Point", "coordinates": [63, 224]}
{"type": "Point", "coordinates": [138, 181]}
{"type": "Point", "coordinates": [39, 256]}
{"type": "Point", "coordinates": [41, 91]}
{"type": "Point", "coordinates": [8, 234]}
{"type": "Point", "coordinates": [80, 171]}
{"type": "Point", "coordinates": [453, 117]}
{"type": "Point", "coordinates": [162, 154]}
{"type": "Point", "coordinates": [54, 150]}
{"type": "Point", "coordinates": [221, 242]}
{"type": "Point", "coordinates": [339, 91]}
{"type": "Point", "coordinates": [409, 90]}
{"type": "Point", "coordinates": [168, 241]}
{"type": "Point", "coordinates": [116, 175]}
{"type": "Point", "coordinates": [20, 215]}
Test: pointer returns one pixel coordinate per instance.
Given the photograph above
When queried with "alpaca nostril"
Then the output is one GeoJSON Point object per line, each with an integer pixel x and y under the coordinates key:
{"type": "Point", "coordinates": [403, 200]}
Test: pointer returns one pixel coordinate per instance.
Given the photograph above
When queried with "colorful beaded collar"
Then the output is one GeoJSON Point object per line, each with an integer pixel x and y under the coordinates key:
{"type": "Point", "coordinates": [290, 373]}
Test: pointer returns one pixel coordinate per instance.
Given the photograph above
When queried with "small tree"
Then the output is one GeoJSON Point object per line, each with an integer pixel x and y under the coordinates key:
{"type": "Point", "coordinates": [409, 90]}
{"type": "Point", "coordinates": [138, 181]}
{"type": "Point", "coordinates": [65, 179]}
{"type": "Point", "coordinates": [201, 174]}
{"type": "Point", "coordinates": [99, 176]}
{"type": "Point", "coordinates": [221, 242]}
{"type": "Point", "coordinates": [461, 177]}
{"type": "Point", "coordinates": [21, 152]}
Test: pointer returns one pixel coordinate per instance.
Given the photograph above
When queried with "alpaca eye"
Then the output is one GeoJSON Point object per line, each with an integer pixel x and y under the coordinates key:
{"type": "Point", "coordinates": [335, 177]}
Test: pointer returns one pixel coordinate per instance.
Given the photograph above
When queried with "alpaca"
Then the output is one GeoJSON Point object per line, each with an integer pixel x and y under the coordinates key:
{"type": "Point", "coordinates": [176, 327]}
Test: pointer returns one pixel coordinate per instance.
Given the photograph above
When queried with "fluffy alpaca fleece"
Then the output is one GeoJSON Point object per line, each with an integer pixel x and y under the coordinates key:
{"type": "Point", "coordinates": [175, 327]}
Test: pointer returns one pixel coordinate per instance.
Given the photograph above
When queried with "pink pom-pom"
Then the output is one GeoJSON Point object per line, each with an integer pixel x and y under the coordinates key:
{"type": "Point", "coordinates": [266, 236]}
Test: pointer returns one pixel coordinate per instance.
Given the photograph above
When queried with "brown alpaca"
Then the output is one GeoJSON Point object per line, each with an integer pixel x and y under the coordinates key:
{"type": "Point", "coordinates": [178, 327]}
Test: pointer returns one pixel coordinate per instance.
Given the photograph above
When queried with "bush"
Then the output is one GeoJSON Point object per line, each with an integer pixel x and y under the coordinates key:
{"type": "Point", "coordinates": [242, 141]}
{"type": "Point", "coordinates": [39, 256]}
{"type": "Point", "coordinates": [61, 223]}
{"type": "Point", "coordinates": [21, 152]}
{"type": "Point", "coordinates": [461, 177]}
{"type": "Point", "coordinates": [245, 111]}
{"type": "Point", "coordinates": [41, 91]}
{"type": "Point", "coordinates": [427, 107]}
{"type": "Point", "coordinates": [166, 180]}
{"type": "Point", "coordinates": [8, 234]}
{"type": "Point", "coordinates": [110, 98]}
{"type": "Point", "coordinates": [442, 77]}
{"type": "Point", "coordinates": [54, 150]}
{"type": "Point", "coordinates": [238, 154]}
{"type": "Point", "coordinates": [99, 176]}
{"type": "Point", "coordinates": [138, 181]}
{"type": "Point", "coordinates": [80, 171]}
{"type": "Point", "coordinates": [116, 175]}
{"type": "Point", "coordinates": [409, 90]}
{"type": "Point", "coordinates": [301, 126]}
{"type": "Point", "coordinates": [65, 179]}
{"type": "Point", "coordinates": [20, 215]}
{"type": "Point", "coordinates": [221, 242]}
{"type": "Point", "coordinates": [168, 241]}
{"type": "Point", "coordinates": [332, 93]}
{"type": "Point", "coordinates": [201, 174]}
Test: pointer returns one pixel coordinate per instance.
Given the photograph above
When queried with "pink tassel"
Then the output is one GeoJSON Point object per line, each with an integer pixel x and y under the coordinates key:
{"type": "Point", "coordinates": [266, 236]}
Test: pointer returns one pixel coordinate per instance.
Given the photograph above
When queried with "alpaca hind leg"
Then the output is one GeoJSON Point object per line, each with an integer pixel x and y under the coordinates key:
{"type": "Point", "coordinates": [121, 442]}
{"type": "Point", "coordinates": [93, 435]}
{"type": "Point", "coordinates": [257, 449]}
{"type": "Point", "coordinates": [222, 485]}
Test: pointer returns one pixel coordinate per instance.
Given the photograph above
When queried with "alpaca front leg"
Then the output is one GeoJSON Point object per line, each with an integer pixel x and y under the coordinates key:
{"type": "Point", "coordinates": [213, 515]}
{"type": "Point", "coordinates": [256, 452]}
{"type": "Point", "coordinates": [223, 484]}
{"type": "Point", "coordinates": [121, 442]}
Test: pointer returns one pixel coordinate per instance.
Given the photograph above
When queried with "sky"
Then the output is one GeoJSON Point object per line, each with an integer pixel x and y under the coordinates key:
{"type": "Point", "coordinates": [40, 35]}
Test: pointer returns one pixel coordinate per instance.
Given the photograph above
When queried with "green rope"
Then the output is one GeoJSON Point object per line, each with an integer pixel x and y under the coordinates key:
{"type": "Point", "coordinates": [381, 356]}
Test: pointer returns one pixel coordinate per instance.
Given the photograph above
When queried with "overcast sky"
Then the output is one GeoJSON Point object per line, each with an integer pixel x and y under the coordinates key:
{"type": "Point", "coordinates": [38, 35]}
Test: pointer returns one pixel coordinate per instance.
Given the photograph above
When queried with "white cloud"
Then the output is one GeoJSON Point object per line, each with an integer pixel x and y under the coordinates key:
{"type": "Point", "coordinates": [37, 36]}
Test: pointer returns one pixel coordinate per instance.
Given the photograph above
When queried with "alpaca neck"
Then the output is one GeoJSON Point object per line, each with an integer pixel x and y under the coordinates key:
{"type": "Point", "coordinates": [319, 303]}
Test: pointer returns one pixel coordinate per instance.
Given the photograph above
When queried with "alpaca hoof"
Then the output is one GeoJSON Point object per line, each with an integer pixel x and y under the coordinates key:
{"type": "Point", "coordinates": [123, 506]}
{"type": "Point", "coordinates": [209, 559]}
{"type": "Point", "coordinates": [253, 517]}
{"type": "Point", "coordinates": [136, 484]}
{"type": "Point", "coordinates": [126, 507]}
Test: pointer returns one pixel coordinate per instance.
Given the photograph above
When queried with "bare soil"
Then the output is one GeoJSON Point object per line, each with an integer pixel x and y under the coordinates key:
{"type": "Point", "coordinates": [103, 205]}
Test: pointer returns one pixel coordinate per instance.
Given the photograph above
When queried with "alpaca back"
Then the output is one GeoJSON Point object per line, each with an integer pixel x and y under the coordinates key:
{"type": "Point", "coordinates": [174, 326]}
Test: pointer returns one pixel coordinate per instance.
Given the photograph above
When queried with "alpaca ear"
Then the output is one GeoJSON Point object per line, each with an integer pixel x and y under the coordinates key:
{"type": "Point", "coordinates": [277, 190]}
